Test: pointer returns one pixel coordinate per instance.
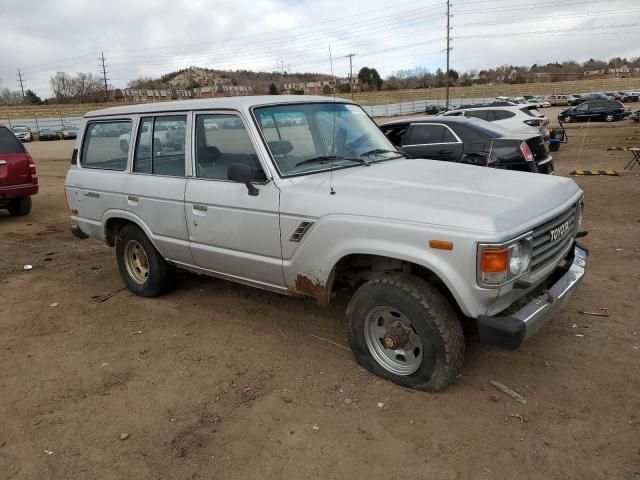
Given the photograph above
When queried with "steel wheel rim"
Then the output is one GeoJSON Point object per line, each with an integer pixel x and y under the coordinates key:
{"type": "Point", "coordinates": [381, 328]}
{"type": "Point", "coordinates": [136, 261]}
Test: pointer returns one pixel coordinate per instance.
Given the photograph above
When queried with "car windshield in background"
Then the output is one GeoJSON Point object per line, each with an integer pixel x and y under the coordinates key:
{"type": "Point", "coordinates": [306, 138]}
{"type": "Point", "coordinates": [19, 129]}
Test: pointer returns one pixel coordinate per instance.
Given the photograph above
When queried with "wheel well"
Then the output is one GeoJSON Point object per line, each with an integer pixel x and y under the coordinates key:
{"type": "Point", "coordinates": [354, 270]}
{"type": "Point", "coordinates": [113, 226]}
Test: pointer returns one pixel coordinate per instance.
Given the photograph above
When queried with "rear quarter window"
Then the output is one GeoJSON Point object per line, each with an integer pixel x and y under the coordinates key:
{"type": "Point", "coordinates": [9, 143]}
{"type": "Point", "coordinates": [106, 145]}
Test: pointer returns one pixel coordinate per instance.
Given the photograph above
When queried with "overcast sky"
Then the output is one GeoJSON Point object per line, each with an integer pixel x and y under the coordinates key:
{"type": "Point", "coordinates": [151, 37]}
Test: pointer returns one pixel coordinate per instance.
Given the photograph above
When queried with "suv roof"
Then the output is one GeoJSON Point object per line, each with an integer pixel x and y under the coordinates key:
{"type": "Point", "coordinates": [235, 103]}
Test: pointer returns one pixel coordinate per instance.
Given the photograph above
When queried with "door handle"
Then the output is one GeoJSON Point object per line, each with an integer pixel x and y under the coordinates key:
{"type": "Point", "coordinates": [132, 198]}
{"type": "Point", "coordinates": [201, 208]}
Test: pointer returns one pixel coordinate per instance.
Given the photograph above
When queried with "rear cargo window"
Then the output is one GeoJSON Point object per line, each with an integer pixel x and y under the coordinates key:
{"type": "Point", "coordinates": [106, 145]}
{"type": "Point", "coordinates": [9, 143]}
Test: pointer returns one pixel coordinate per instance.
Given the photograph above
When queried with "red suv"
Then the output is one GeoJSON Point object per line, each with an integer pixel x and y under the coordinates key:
{"type": "Point", "coordinates": [18, 179]}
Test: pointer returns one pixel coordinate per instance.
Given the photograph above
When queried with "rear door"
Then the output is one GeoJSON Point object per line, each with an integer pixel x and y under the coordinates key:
{"type": "Point", "coordinates": [14, 161]}
{"type": "Point", "coordinates": [432, 140]}
{"type": "Point", "coordinates": [154, 191]}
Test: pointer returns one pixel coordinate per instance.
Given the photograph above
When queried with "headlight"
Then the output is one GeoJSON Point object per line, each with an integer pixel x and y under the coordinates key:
{"type": "Point", "coordinates": [499, 264]}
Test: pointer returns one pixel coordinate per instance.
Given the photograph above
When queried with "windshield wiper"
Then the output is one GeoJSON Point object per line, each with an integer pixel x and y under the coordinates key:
{"type": "Point", "coordinates": [330, 158]}
{"type": "Point", "coordinates": [377, 151]}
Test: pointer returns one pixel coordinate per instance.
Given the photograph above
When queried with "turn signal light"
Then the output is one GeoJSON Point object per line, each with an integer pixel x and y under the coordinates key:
{"type": "Point", "coordinates": [441, 244]}
{"type": "Point", "coordinates": [495, 260]}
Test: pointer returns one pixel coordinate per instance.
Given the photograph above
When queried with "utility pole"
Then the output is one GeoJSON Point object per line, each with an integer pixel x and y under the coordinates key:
{"type": "Point", "coordinates": [350, 56]}
{"type": "Point", "coordinates": [20, 81]}
{"type": "Point", "coordinates": [446, 75]}
{"type": "Point", "coordinates": [104, 76]}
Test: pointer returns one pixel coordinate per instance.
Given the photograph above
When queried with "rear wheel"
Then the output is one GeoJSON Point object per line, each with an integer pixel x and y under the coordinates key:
{"type": "Point", "coordinates": [610, 117]}
{"type": "Point", "coordinates": [19, 207]}
{"type": "Point", "coordinates": [143, 269]}
{"type": "Point", "coordinates": [554, 147]}
{"type": "Point", "coordinates": [402, 329]}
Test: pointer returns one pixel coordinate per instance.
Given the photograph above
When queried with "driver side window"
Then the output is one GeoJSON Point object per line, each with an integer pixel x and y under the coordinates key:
{"type": "Point", "coordinates": [222, 140]}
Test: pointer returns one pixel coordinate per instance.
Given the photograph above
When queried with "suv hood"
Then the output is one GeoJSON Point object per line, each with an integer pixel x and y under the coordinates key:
{"type": "Point", "coordinates": [434, 192]}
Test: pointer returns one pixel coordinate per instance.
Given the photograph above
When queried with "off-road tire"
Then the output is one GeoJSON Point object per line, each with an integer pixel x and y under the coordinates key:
{"type": "Point", "coordinates": [431, 314]}
{"type": "Point", "coordinates": [19, 207]}
{"type": "Point", "coordinates": [554, 147]}
{"type": "Point", "coordinates": [161, 274]}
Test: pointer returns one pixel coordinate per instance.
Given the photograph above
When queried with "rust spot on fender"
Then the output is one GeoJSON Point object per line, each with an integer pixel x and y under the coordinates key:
{"type": "Point", "coordinates": [310, 287]}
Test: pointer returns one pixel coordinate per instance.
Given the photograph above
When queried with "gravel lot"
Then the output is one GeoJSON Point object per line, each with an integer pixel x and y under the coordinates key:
{"type": "Point", "coordinates": [217, 380]}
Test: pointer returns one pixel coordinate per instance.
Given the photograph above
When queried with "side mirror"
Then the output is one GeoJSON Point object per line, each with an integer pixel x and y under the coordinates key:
{"type": "Point", "coordinates": [241, 173]}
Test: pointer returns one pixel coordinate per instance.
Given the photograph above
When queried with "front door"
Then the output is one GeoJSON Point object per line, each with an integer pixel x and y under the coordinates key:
{"type": "Point", "coordinates": [154, 191]}
{"type": "Point", "coordinates": [232, 233]}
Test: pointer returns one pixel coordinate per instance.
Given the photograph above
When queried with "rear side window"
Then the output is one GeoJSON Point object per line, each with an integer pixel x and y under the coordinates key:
{"type": "Point", "coordinates": [9, 143]}
{"type": "Point", "coordinates": [502, 115]}
{"type": "Point", "coordinates": [160, 146]}
{"type": "Point", "coordinates": [427, 134]}
{"type": "Point", "coordinates": [481, 114]}
{"type": "Point", "coordinates": [104, 145]}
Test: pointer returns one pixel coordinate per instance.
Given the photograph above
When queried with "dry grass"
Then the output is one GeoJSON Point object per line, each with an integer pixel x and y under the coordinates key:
{"type": "Point", "coordinates": [492, 91]}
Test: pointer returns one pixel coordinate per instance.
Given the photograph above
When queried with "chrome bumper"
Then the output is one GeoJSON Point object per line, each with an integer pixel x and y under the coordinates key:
{"type": "Point", "coordinates": [510, 331]}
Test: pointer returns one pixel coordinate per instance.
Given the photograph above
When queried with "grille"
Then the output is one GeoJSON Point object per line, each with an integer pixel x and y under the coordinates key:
{"type": "Point", "coordinates": [299, 232]}
{"type": "Point", "coordinates": [551, 239]}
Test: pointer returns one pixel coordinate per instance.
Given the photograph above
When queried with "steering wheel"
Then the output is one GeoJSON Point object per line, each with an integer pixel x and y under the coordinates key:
{"type": "Point", "coordinates": [357, 143]}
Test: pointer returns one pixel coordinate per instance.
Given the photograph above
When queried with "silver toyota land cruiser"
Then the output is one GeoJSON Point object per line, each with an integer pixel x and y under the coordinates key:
{"type": "Point", "coordinates": [303, 195]}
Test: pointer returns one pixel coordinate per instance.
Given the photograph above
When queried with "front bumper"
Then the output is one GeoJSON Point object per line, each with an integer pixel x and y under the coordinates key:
{"type": "Point", "coordinates": [510, 331]}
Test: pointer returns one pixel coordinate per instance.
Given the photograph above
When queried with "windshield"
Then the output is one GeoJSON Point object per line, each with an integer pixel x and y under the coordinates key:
{"type": "Point", "coordinates": [19, 129]}
{"type": "Point", "coordinates": [305, 138]}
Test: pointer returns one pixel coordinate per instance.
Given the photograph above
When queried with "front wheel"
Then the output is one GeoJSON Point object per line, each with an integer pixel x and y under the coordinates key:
{"type": "Point", "coordinates": [402, 329]}
{"type": "Point", "coordinates": [568, 119]}
{"type": "Point", "coordinates": [143, 269]}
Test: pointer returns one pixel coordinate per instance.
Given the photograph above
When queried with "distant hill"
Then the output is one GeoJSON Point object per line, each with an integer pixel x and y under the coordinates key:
{"type": "Point", "coordinates": [194, 77]}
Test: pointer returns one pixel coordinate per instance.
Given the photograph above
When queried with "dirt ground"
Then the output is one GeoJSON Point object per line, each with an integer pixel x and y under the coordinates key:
{"type": "Point", "coordinates": [217, 380]}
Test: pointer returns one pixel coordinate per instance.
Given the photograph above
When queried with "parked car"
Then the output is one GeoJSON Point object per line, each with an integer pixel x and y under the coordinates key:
{"type": "Point", "coordinates": [635, 116]}
{"type": "Point", "coordinates": [620, 96]}
{"type": "Point", "coordinates": [165, 135]}
{"type": "Point", "coordinates": [576, 99]}
{"type": "Point", "coordinates": [48, 134]}
{"type": "Point", "coordinates": [561, 100]}
{"type": "Point", "coordinates": [598, 96]}
{"type": "Point", "coordinates": [594, 110]}
{"type": "Point", "coordinates": [525, 119]}
{"type": "Point", "coordinates": [469, 140]}
{"type": "Point", "coordinates": [22, 133]}
{"type": "Point", "coordinates": [422, 246]}
{"type": "Point", "coordinates": [538, 102]}
{"type": "Point", "coordinates": [517, 100]}
{"type": "Point", "coordinates": [69, 132]}
{"type": "Point", "coordinates": [18, 178]}
{"type": "Point", "coordinates": [433, 109]}
{"type": "Point", "coordinates": [632, 96]}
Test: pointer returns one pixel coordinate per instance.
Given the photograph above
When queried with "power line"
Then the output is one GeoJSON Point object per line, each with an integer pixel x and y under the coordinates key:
{"type": "Point", "coordinates": [448, 51]}
{"type": "Point", "coordinates": [104, 76]}
{"type": "Point", "coordinates": [20, 81]}
{"type": "Point", "coordinates": [350, 56]}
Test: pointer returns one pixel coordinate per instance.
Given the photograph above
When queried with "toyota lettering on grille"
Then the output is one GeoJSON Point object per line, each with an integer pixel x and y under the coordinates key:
{"type": "Point", "coordinates": [559, 231]}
